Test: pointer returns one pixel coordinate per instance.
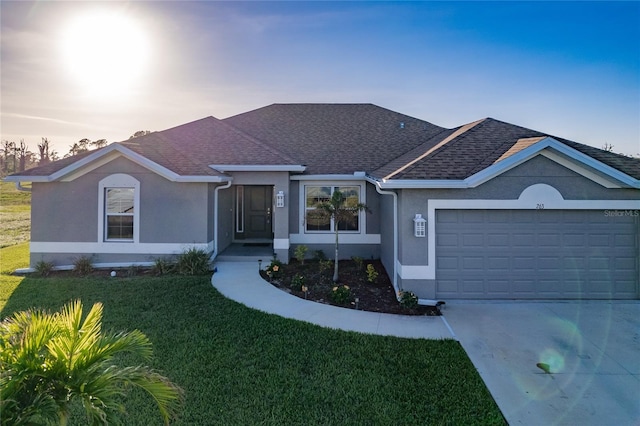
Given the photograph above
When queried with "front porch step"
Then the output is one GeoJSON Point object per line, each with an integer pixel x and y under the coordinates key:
{"type": "Point", "coordinates": [254, 259]}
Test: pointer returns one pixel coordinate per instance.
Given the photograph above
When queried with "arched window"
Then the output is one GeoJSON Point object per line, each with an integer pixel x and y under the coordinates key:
{"type": "Point", "coordinates": [119, 205]}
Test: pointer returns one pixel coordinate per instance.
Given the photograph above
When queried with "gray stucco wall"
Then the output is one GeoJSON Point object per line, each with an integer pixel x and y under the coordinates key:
{"type": "Point", "coordinates": [508, 186]}
{"type": "Point", "coordinates": [225, 217]}
{"type": "Point", "coordinates": [170, 212]}
{"type": "Point", "coordinates": [386, 208]}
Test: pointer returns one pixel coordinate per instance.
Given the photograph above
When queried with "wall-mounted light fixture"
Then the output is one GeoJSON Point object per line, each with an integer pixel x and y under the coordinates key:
{"type": "Point", "coordinates": [280, 199]}
{"type": "Point", "coordinates": [419, 226]}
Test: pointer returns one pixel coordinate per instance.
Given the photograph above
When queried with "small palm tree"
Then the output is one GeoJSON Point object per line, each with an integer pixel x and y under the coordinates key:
{"type": "Point", "coordinates": [47, 361]}
{"type": "Point", "coordinates": [339, 210]}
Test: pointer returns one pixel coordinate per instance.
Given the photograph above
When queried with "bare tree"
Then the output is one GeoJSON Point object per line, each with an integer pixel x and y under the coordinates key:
{"type": "Point", "coordinates": [23, 154]}
{"type": "Point", "coordinates": [44, 152]}
{"type": "Point", "coordinates": [607, 147]}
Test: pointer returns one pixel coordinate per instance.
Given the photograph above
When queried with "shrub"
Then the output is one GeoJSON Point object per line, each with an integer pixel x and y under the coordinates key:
{"type": "Point", "coordinates": [82, 265]}
{"type": "Point", "coordinates": [297, 282]}
{"type": "Point", "coordinates": [358, 261]}
{"type": "Point", "coordinates": [274, 270]}
{"type": "Point", "coordinates": [193, 262]}
{"type": "Point", "coordinates": [44, 268]}
{"type": "Point", "coordinates": [408, 299]}
{"type": "Point", "coordinates": [319, 255]}
{"type": "Point", "coordinates": [372, 274]}
{"type": "Point", "coordinates": [325, 265]}
{"type": "Point", "coordinates": [162, 266]}
{"type": "Point", "coordinates": [300, 252]}
{"type": "Point", "coordinates": [340, 294]}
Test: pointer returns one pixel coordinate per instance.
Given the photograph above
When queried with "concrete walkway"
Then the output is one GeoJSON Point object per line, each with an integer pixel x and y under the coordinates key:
{"type": "Point", "coordinates": [241, 282]}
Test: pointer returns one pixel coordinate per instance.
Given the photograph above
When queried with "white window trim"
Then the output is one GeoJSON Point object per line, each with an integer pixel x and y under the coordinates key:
{"type": "Point", "coordinates": [362, 225]}
{"type": "Point", "coordinates": [118, 180]}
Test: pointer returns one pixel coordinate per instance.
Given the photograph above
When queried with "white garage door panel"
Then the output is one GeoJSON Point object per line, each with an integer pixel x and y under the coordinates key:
{"type": "Point", "coordinates": [529, 254]}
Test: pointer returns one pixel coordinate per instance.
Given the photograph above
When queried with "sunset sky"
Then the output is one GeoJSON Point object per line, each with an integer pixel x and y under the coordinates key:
{"type": "Point", "coordinates": [73, 70]}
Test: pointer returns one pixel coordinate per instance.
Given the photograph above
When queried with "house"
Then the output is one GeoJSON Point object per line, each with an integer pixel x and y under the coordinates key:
{"type": "Point", "coordinates": [487, 210]}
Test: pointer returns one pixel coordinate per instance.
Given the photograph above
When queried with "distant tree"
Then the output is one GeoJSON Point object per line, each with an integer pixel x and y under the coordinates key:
{"type": "Point", "coordinates": [44, 152]}
{"type": "Point", "coordinates": [140, 133]}
{"type": "Point", "coordinates": [23, 154]}
{"type": "Point", "coordinates": [100, 143]}
{"type": "Point", "coordinates": [607, 147]}
{"type": "Point", "coordinates": [83, 145]}
{"type": "Point", "coordinates": [8, 156]}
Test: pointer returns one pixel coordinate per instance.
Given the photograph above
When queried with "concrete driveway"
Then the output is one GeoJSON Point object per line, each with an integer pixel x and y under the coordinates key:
{"type": "Point", "coordinates": [592, 348]}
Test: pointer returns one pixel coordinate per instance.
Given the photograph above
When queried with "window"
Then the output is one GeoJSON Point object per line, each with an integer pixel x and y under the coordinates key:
{"type": "Point", "coordinates": [118, 206]}
{"type": "Point", "coordinates": [119, 213]}
{"type": "Point", "coordinates": [319, 194]}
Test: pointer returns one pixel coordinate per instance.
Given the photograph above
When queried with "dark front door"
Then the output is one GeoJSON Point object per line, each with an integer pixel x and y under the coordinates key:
{"type": "Point", "coordinates": [257, 202]}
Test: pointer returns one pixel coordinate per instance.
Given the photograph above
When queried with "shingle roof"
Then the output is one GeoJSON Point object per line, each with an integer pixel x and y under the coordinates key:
{"type": "Point", "coordinates": [189, 149]}
{"type": "Point", "coordinates": [336, 138]}
{"type": "Point", "coordinates": [340, 139]}
{"type": "Point", "coordinates": [488, 141]}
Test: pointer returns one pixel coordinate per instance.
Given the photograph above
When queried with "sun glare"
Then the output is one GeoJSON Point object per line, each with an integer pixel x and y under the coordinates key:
{"type": "Point", "coordinates": [106, 53]}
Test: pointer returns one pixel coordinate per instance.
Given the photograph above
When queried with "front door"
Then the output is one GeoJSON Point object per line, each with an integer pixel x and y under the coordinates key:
{"type": "Point", "coordinates": [257, 210]}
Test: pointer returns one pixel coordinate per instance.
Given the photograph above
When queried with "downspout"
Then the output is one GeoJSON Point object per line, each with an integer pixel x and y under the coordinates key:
{"type": "Point", "coordinates": [215, 219]}
{"type": "Point", "coordinates": [19, 187]}
{"type": "Point", "coordinates": [395, 234]}
{"type": "Point", "coordinates": [429, 302]}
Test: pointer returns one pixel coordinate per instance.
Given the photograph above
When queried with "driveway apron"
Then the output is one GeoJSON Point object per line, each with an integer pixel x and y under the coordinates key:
{"type": "Point", "coordinates": [592, 350]}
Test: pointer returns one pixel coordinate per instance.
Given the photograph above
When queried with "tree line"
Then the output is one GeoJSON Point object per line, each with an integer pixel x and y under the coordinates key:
{"type": "Point", "coordinates": [17, 157]}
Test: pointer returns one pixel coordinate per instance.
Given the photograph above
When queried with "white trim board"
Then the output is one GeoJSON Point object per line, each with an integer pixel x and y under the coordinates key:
{"type": "Point", "coordinates": [116, 248]}
{"type": "Point", "coordinates": [331, 238]}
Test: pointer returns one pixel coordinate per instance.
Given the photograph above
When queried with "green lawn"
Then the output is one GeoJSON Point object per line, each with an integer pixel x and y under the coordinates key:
{"type": "Point", "coordinates": [15, 215]}
{"type": "Point", "coordinates": [243, 367]}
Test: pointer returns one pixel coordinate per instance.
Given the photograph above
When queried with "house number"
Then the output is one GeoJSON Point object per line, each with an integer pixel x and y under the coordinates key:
{"type": "Point", "coordinates": [539, 206]}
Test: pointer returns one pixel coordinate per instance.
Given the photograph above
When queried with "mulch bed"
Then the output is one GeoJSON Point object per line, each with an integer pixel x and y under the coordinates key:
{"type": "Point", "coordinates": [376, 296]}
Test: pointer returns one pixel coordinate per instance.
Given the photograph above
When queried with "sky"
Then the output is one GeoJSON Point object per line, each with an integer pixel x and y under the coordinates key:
{"type": "Point", "coordinates": [104, 70]}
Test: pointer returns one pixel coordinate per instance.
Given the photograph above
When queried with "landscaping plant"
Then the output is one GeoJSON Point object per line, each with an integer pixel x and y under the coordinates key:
{"type": "Point", "coordinates": [341, 294]}
{"type": "Point", "coordinates": [193, 262]}
{"type": "Point", "coordinates": [372, 274]}
{"type": "Point", "coordinates": [300, 252]}
{"type": "Point", "coordinates": [408, 299]}
{"type": "Point", "coordinates": [49, 361]}
{"type": "Point", "coordinates": [83, 265]}
{"type": "Point", "coordinates": [338, 210]}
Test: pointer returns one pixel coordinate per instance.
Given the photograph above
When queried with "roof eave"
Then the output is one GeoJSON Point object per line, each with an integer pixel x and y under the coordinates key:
{"type": "Point", "coordinates": [477, 179]}
{"type": "Point", "coordinates": [223, 168]}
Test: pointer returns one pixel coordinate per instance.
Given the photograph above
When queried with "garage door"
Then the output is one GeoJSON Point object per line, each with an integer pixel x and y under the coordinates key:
{"type": "Point", "coordinates": [539, 254]}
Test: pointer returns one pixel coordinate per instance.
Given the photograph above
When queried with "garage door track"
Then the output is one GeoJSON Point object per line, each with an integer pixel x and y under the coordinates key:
{"type": "Point", "coordinates": [592, 350]}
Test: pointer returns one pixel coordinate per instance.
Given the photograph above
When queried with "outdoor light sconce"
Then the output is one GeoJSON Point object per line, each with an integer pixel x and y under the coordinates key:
{"type": "Point", "coordinates": [419, 226]}
{"type": "Point", "coordinates": [280, 199]}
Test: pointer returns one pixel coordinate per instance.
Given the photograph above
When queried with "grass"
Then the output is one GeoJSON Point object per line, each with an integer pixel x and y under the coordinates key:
{"type": "Point", "coordinates": [15, 215]}
{"type": "Point", "coordinates": [240, 366]}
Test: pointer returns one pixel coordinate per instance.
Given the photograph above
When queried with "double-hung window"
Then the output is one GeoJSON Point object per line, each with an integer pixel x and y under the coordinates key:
{"type": "Point", "coordinates": [118, 203]}
{"type": "Point", "coordinates": [120, 209]}
{"type": "Point", "coordinates": [318, 194]}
